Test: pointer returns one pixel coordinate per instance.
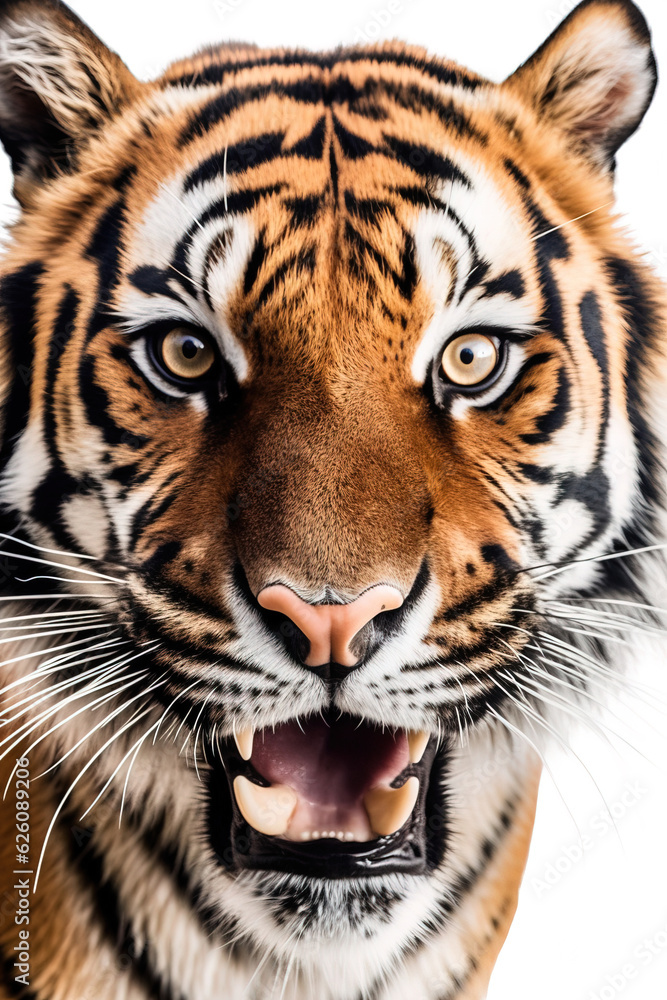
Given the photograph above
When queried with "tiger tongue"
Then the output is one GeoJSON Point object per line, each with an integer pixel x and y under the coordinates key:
{"type": "Point", "coordinates": [331, 768]}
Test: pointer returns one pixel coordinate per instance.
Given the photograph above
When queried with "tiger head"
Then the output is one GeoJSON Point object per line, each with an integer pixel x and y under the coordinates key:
{"type": "Point", "coordinates": [327, 387]}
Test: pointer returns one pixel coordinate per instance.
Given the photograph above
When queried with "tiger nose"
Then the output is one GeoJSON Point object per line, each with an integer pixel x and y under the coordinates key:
{"type": "Point", "coordinates": [330, 628]}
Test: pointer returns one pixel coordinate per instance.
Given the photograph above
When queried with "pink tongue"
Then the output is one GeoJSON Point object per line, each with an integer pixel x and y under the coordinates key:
{"type": "Point", "coordinates": [331, 768]}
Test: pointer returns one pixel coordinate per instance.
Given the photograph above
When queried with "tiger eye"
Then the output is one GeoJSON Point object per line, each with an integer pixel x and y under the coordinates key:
{"type": "Point", "coordinates": [186, 354]}
{"type": "Point", "coordinates": [469, 359]}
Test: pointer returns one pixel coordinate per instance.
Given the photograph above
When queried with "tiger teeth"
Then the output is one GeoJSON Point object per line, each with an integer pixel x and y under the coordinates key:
{"type": "Point", "coordinates": [417, 743]}
{"type": "Point", "coordinates": [267, 810]}
{"type": "Point", "coordinates": [389, 808]}
{"type": "Point", "coordinates": [337, 835]}
{"type": "Point", "coordinates": [244, 741]}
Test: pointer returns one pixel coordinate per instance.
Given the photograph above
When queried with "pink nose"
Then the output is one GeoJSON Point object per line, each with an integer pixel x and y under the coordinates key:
{"type": "Point", "coordinates": [330, 628]}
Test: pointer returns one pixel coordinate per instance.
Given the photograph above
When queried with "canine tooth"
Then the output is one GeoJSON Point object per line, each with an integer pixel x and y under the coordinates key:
{"type": "Point", "coordinates": [267, 810]}
{"type": "Point", "coordinates": [244, 740]}
{"type": "Point", "coordinates": [417, 743]}
{"type": "Point", "coordinates": [349, 836]}
{"type": "Point", "coordinates": [315, 835]}
{"type": "Point", "coordinates": [389, 808]}
{"type": "Point", "coordinates": [305, 835]}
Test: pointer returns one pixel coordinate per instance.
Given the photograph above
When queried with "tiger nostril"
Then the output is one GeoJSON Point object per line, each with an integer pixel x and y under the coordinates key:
{"type": "Point", "coordinates": [334, 631]}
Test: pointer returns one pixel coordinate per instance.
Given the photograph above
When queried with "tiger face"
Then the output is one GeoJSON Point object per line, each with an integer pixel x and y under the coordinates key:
{"type": "Point", "coordinates": [326, 386]}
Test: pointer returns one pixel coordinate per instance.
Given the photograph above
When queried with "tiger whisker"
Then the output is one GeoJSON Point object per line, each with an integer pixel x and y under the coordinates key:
{"type": "Point", "coordinates": [136, 677]}
{"type": "Point", "coordinates": [171, 704]}
{"type": "Point", "coordinates": [71, 788]}
{"type": "Point", "coordinates": [49, 597]}
{"type": "Point", "coordinates": [30, 682]}
{"type": "Point", "coordinates": [62, 579]}
{"type": "Point", "coordinates": [561, 568]}
{"type": "Point", "coordinates": [138, 746]}
{"type": "Point", "coordinates": [115, 771]}
{"type": "Point", "coordinates": [561, 704]}
{"type": "Point", "coordinates": [185, 277]}
{"type": "Point", "coordinates": [55, 615]}
{"type": "Point", "coordinates": [101, 679]}
{"type": "Point", "coordinates": [32, 700]}
{"type": "Point", "coordinates": [180, 201]}
{"type": "Point", "coordinates": [528, 712]}
{"type": "Point", "coordinates": [43, 548]}
{"type": "Point", "coordinates": [526, 739]}
{"type": "Point", "coordinates": [53, 649]}
{"type": "Point", "coordinates": [611, 600]}
{"type": "Point", "coordinates": [76, 628]}
{"type": "Point", "coordinates": [570, 221]}
{"type": "Point", "coordinates": [576, 655]}
{"type": "Point", "coordinates": [133, 679]}
{"type": "Point", "coordinates": [50, 562]}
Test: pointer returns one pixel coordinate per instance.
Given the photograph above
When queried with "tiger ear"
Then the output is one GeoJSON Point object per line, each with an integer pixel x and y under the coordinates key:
{"type": "Point", "coordinates": [58, 84]}
{"type": "Point", "coordinates": [593, 78]}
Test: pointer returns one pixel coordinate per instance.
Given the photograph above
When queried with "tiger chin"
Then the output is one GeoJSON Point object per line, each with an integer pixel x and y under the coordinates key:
{"type": "Point", "coordinates": [330, 418]}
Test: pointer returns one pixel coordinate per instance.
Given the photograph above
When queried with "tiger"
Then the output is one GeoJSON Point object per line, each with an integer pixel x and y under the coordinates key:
{"type": "Point", "coordinates": [331, 395]}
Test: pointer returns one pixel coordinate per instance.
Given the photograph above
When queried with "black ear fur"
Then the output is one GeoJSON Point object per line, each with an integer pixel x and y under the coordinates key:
{"type": "Point", "coordinates": [58, 84]}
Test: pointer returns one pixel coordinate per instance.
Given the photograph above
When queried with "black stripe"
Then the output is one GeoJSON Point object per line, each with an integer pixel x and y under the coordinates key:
{"type": "Point", "coordinates": [105, 249]}
{"type": "Point", "coordinates": [97, 405]}
{"type": "Point", "coordinates": [216, 72]}
{"type": "Point", "coordinates": [311, 147]}
{"type": "Point", "coordinates": [591, 325]}
{"type": "Point", "coordinates": [517, 174]}
{"type": "Point", "coordinates": [153, 281]}
{"type": "Point", "coordinates": [243, 155]}
{"type": "Point", "coordinates": [417, 99]}
{"type": "Point", "coordinates": [553, 246]}
{"type": "Point", "coordinates": [60, 338]}
{"type": "Point", "coordinates": [305, 210]}
{"type": "Point", "coordinates": [360, 248]}
{"type": "Point", "coordinates": [115, 924]}
{"type": "Point", "coordinates": [57, 484]}
{"type": "Point", "coordinates": [18, 302]}
{"type": "Point", "coordinates": [643, 319]}
{"type": "Point", "coordinates": [255, 261]}
{"type": "Point", "coordinates": [333, 167]}
{"type": "Point", "coordinates": [306, 91]}
{"type": "Point", "coordinates": [369, 209]}
{"type": "Point", "coordinates": [510, 283]}
{"type": "Point", "coordinates": [296, 263]}
{"type": "Point", "coordinates": [425, 161]}
{"type": "Point", "coordinates": [353, 146]}
{"type": "Point", "coordinates": [552, 419]}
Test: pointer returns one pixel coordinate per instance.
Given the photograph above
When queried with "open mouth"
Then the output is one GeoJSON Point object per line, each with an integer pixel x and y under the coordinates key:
{"type": "Point", "coordinates": [332, 797]}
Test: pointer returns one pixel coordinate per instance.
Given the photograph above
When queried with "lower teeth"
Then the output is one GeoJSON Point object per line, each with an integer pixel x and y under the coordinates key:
{"type": "Point", "coordinates": [331, 835]}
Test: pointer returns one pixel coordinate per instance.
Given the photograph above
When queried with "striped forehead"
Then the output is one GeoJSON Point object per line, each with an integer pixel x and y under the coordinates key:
{"type": "Point", "coordinates": [246, 183]}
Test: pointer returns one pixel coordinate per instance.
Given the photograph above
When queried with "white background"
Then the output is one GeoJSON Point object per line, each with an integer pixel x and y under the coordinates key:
{"type": "Point", "coordinates": [592, 920]}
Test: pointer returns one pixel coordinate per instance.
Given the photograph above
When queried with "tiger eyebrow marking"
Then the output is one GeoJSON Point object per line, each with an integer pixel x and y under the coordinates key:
{"type": "Point", "coordinates": [592, 212]}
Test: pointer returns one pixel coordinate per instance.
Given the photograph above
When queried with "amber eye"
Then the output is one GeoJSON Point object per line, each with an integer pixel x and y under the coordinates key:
{"type": "Point", "coordinates": [186, 354]}
{"type": "Point", "coordinates": [469, 359]}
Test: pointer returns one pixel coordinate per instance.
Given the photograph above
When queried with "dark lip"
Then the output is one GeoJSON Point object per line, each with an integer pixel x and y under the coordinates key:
{"type": "Point", "coordinates": [415, 849]}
